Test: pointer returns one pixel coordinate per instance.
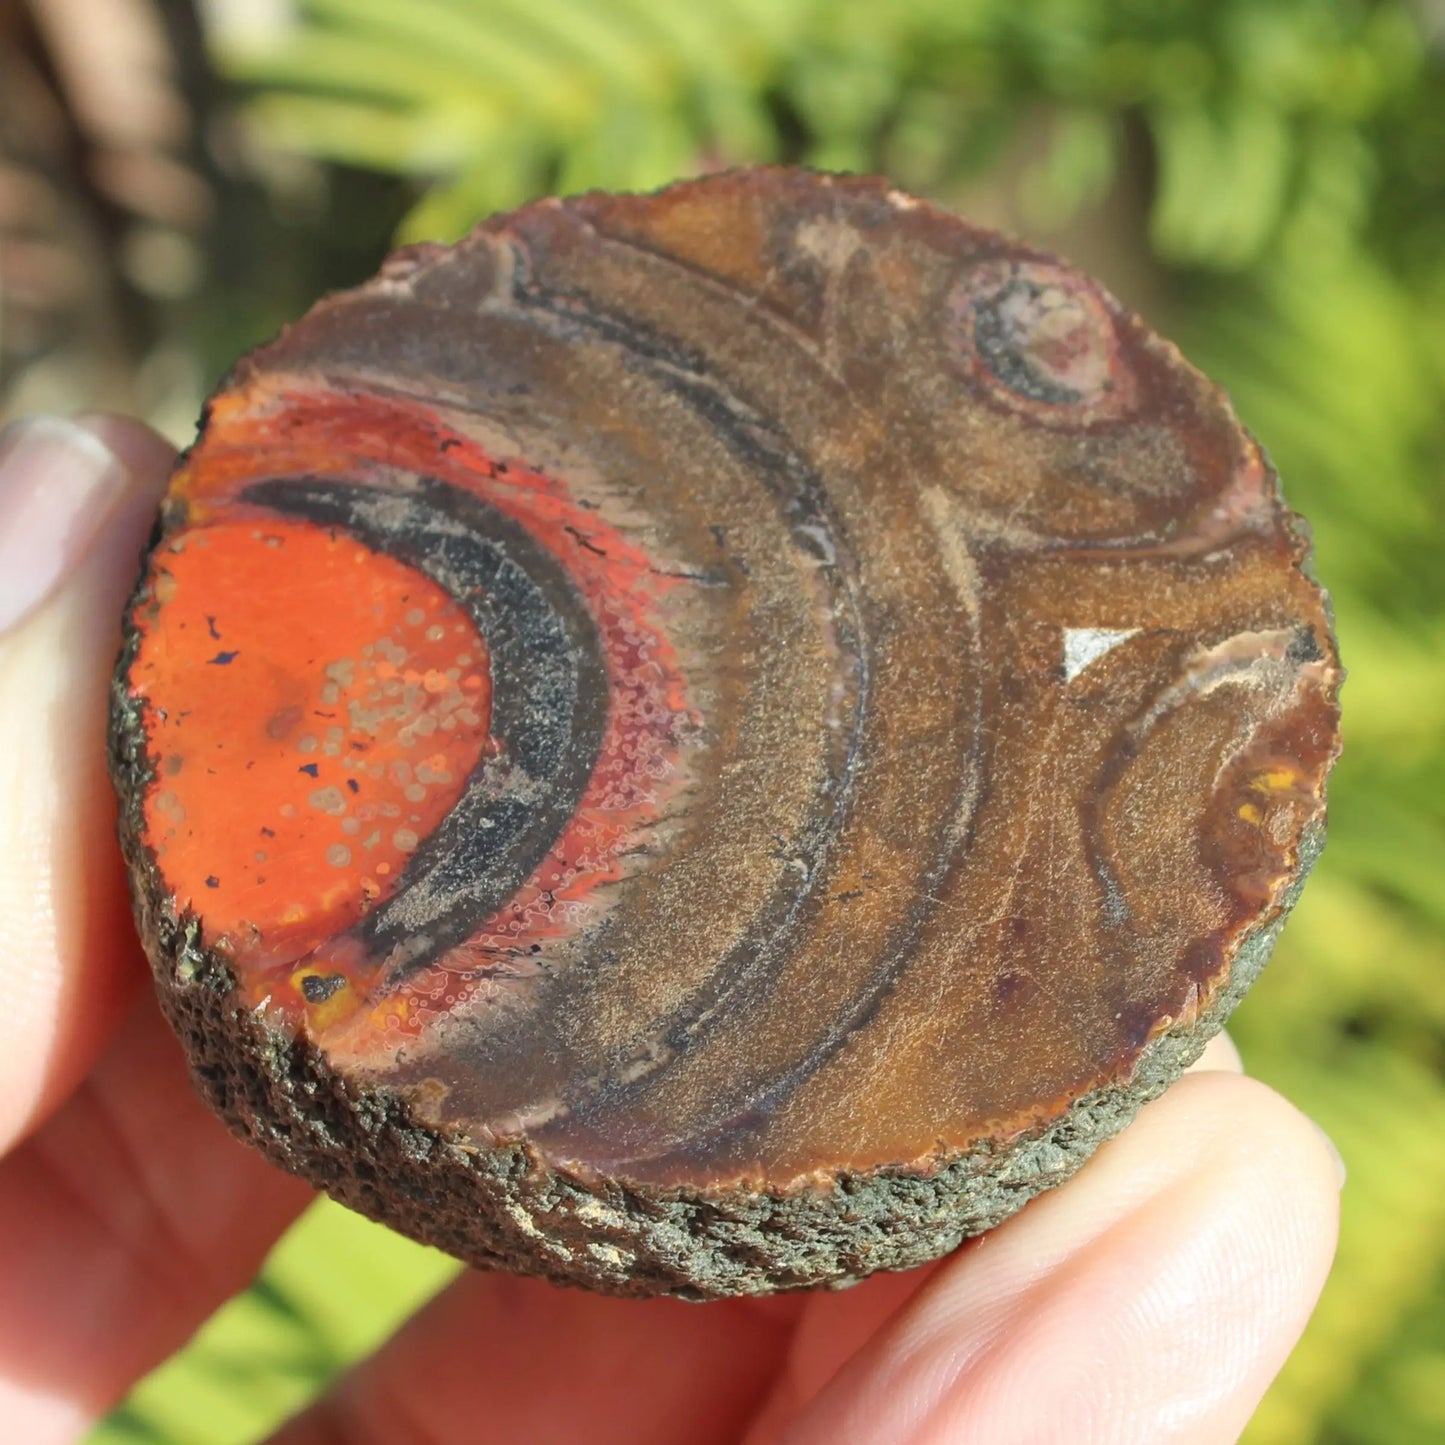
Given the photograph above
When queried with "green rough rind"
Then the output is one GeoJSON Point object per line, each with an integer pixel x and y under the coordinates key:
{"type": "Point", "coordinates": [501, 1207]}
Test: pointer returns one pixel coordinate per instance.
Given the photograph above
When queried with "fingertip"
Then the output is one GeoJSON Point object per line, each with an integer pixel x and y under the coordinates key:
{"type": "Point", "coordinates": [1239, 1124]}
{"type": "Point", "coordinates": [145, 454]}
{"type": "Point", "coordinates": [69, 491]}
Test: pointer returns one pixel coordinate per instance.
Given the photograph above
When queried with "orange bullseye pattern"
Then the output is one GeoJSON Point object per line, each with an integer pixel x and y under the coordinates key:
{"type": "Point", "coordinates": [309, 736]}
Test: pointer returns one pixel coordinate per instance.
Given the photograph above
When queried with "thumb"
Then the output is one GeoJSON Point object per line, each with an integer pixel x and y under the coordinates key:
{"type": "Point", "coordinates": [77, 500]}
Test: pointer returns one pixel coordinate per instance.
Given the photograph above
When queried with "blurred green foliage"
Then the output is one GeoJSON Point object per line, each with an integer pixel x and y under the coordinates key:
{"type": "Point", "coordinates": [1269, 179]}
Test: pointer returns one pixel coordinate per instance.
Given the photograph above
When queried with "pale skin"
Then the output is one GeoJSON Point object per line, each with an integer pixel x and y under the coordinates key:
{"type": "Point", "coordinates": [1151, 1299]}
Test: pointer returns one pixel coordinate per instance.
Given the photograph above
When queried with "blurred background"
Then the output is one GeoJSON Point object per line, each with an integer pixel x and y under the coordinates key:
{"type": "Point", "coordinates": [1263, 179]}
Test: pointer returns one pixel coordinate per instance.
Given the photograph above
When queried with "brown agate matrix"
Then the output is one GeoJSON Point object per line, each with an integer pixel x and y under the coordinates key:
{"type": "Point", "coordinates": [717, 741]}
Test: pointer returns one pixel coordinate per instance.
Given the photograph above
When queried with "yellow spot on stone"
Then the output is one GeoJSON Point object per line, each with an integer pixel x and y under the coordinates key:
{"type": "Point", "coordinates": [1276, 780]}
{"type": "Point", "coordinates": [331, 1010]}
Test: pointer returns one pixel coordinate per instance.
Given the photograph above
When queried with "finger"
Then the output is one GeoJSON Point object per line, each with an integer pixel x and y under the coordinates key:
{"type": "Point", "coordinates": [76, 503]}
{"type": "Point", "coordinates": [124, 1222]}
{"type": "Point", "coordinates": [557, 1365]}
{"type": "Point", "coordinates": [831, 1331]}
{"type": "Point", "coordinates": [1151, 1299]}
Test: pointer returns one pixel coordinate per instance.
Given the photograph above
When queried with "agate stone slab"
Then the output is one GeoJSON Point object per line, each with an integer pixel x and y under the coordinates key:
{"type": "Point", "coordinates": [716, 741]}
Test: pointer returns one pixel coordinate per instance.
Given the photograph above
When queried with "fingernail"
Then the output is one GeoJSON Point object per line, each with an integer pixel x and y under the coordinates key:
{"type": "Point", "coordinates": [1334, 1153]}
{"type": "Point", "coordinates": [58, 484]}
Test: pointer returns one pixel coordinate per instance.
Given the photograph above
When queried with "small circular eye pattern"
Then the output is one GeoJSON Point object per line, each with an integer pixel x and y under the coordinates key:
{"type": "Point", "coordinates": [1042, 340]}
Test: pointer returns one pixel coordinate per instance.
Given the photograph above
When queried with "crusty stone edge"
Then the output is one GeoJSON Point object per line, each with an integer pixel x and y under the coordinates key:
{"type": "Point", "coordinates": [501, 1207]}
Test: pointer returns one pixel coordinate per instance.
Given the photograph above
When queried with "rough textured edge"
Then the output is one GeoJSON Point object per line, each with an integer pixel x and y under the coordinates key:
{"type": "Point", "coordinates": [501, 1207]}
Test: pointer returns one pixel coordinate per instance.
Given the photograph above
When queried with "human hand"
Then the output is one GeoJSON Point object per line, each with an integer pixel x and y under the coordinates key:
{"type": "Point", "coordinates": [1151, 1299]}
